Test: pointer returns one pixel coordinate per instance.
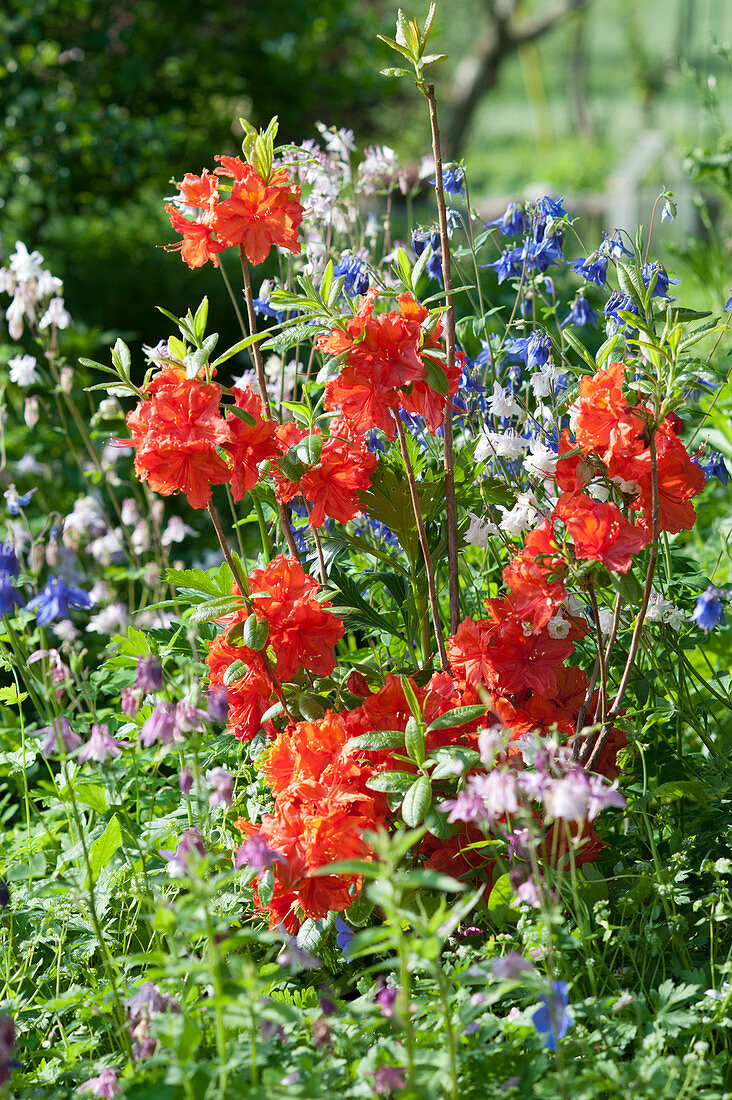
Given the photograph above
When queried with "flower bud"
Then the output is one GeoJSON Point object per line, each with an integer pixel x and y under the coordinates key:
{"type": "Point", "coordinates": [67, 379]}
{"type": "Point", "coordinates": [31, 412]}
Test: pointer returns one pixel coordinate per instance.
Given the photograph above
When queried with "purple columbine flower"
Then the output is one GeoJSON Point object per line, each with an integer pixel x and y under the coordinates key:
{"type": "Point", "coordinates": [387, 1079]}
{"type": "Point", "coordinates": [7, 1043]}
{"type": "Point", "coordinates": [468, 806]}
{"type": "Point", "coordinates": [217, 704]}
{"type": "Point", "coordinates": [100, 746]}
{"type": "Point", "coordinates": [17, 501]}
{"type": "Point", "coordinates": [183, 862]}
{"type": "Point", "coordinates": [149, 674]}
{"type": "Point", "coordinates": [568, 799]}
{"type": "Point", "coordinates": [160, 726]}
{"type": "Point", "coordinates": [386, 1000]}
{"type": "Point", "coordinates": [510, 967]}
{"type": "Point", "coordinates": [131, 700]}
{"type": "Point", "coordinates": [187, 718]}
{"type": "Point", "coordinates": [511, 222]}
{"type": "Point", "coordinates": [356, 279]}
{"type": "Point", "coordinates": [149, 1001]}
{"type": "Point", "coordinates": [524, 887]}
{"type": "Point", "coordinates": [185, 780]}
{"type": "Point", "coordinates": [58, 734]}
{"type": "Point", "coordinates": [592, 268]}
{"type": "Point", "coordinates": [257, 854]}
{"type": "Point", "coordinates": [602, 796]}
{"type": "Point", "coordinates": [294, 958]}
{"type": "Point", "coordinates": [105, 1085]}
{"type": "Point", "coordinates": [709, 611]}
{"type": "Point", "coordinates": [54, 601]}
{"type": "Point", "coordinates": [344, 935]}
{"type": "Point", "coordinates": [552, 1019]}
{"type": "Point", "coordinates": [220, 781]}
{"type": "Point", "coordinates": [715, 467]}
{"type": "Point", "coordinates": [580, 313]}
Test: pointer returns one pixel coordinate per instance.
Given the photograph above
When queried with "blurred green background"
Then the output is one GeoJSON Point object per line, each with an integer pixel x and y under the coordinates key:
{"type": "Point", "coordinates": [104, 103]}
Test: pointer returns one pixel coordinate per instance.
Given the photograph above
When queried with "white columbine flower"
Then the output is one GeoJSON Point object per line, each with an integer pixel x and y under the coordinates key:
{"type": "Point", "coordinates": [25, 265]}
{"type": "Point", "coordinates": [479, 531]}
{"type": "Point", "coordinates": [521, 517]}
{"type": "Point", "coordinates": [23, 370]}
{"type": "Point", "coordinates": [541, 462]}
{"type": "Point", "coordinates": [542, 380]}
{"type": "Point", "coordinates": [502, 403]}
{"type": "Point", "coordinates": [507, 444]}
{"type": "Point", "coordinates": [55, 315]}
{"type": "Point", "coordinates": [558, 626]}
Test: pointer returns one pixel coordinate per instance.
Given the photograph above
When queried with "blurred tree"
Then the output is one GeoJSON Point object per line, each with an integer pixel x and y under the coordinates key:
{"type": "Point", "coordinates": [103, 96]}
{"type": "Point", "coordinates": [507, 31]}
{"type": "Point", "coordinates": [106, 101]}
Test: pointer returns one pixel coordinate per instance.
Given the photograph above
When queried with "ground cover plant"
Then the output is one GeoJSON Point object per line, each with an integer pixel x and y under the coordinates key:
{"type": "Point", "coordinates": [366, 718]}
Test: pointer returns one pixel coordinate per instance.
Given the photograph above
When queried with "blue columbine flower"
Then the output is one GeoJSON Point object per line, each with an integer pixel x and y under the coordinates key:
{"type": "Point", "coordinates": [552, 1018]}
{"type": "Point", "coordinates": [552, 208]}
{"type": "Point", "coordinates": [613, 246]}
{"type": "Point", "coordinates": [580, 313]}
{"type": "Point", "coordinates": [511, 222]}
{"type": "Point", "coordinates": [54, 601]}
{"type": "Point", "coordinates": [618, 301]}
{"type": "Point", "coordinates": [592, 268]}
{"type": "Point", "coordinates": [16, 500]}
{"type": "Point", "coordinates": [709, 612]}
{"type": "Point", "coordinates": [8, 559]}
{"type": "Point", "coordinates": [715, 467]}
{"type": "Point", "coordinates": [509, 264]}
{"type": "Point", "coordinates": [351, 266]}
{"type": "Point", "coordinates": [453, 180]}
{"type": "Point", "coordinates": [660, 288]}
{"type": "Point", "coordinates": [728, 304]}
{"type": "Point", "coordinates": [541, 254]}
{"type": "Point", "coordinates": [10, 598]}
{"type": "Point", "coordinates": [344, 935]}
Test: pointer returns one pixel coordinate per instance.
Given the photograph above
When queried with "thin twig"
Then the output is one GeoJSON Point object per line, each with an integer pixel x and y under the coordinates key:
{"type": "Point", "coordinates": [429, 567]}
{"type": "Point", "coordinates": [449, 458]}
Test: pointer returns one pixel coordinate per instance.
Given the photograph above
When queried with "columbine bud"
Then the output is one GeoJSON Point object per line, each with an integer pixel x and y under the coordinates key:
{"type": "Point", "coordinates": [67, 379]}
{"type": "Point", "coordinates": [31, 412]}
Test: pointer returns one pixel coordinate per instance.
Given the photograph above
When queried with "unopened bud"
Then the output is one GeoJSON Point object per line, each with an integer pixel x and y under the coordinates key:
{"type": "Point", "coordinates": [67, 379]}
{"type": "Point", "coordinates": [31, 413]}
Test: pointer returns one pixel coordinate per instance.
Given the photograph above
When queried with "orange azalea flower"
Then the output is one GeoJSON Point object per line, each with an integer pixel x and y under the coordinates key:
{"type": "Point", "coordinates": [384, 367]}
{"type": "Point", "coordinates": [344, 470]}
{"type": "Point", "coordinates": [258, 214]}
{"type": "Point", "coordinates": [534, 596]}
{"type": "Point", "coordinates": [605, 422]}
{"type": "Point", "coordinates": [679, 479]}
{"type": "Point", "coordinates": [302, 631]}
{"type": "Point", "coordinates": [250, 443]}
{"type": "Point", "coordinates": [199, 244]}
{"type": "Point", "coordinates": [176, 433]}
{"type": "Point", "coordinates": [600, 532]}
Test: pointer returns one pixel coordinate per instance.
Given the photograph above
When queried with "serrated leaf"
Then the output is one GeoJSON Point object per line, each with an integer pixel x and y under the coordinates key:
{"type": "Point", "coordinates": [417, 802]}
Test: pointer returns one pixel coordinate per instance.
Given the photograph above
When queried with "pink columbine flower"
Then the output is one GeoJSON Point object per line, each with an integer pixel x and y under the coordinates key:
{"type": "Point", "coordinates": [100, 746]}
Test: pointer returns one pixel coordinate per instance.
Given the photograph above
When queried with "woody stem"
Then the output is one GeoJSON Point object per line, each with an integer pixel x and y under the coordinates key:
{"type": "Point", "coordinates": [429, 567]}
{"type": "Point", "coordinates": [591, 756]}
{"type": "Point", "coordinates": [449, 461]}
{"type": "Point", "coordinates": [262, 383]}
{"type": "Point", "coordinates": [243, 586]}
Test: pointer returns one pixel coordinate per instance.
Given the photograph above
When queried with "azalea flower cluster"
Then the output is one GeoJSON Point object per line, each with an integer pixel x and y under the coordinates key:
{"type": "Point", "coordinates": [184, 443]}
{"type": "Point", "coordinates": [299, 630]}
{"type": "Point", "coordinates": [389, 363]}
{"type": "Point", "coordinates": [255, 214]}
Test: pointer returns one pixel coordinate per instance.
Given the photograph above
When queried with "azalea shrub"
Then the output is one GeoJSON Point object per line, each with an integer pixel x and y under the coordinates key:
{"type": "Point", "coordinates": [398, 759]}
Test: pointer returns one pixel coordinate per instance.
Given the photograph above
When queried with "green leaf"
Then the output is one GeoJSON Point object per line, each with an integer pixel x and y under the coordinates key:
{"type": "Point", "coordinates": [422, 878]}
{"type": "Point", "coordinates": [236, 348]}
{"type": "Point", "coordinates": [417, 802]}
{"type": "Point", "coordinates": [200, 320]}
{"type": "Point", "coordinates": [446, 757]}
{"type": "Point", "coordinates": [92, 795]}
{"type": "Point", "coordinates": [378, 740]}
{"type": "Point", "coordinates": [256, 632]}
{"type": "Point", "coordinates": [576, 345]}
{"type": "Point", "coordinates": [309, 449]}
{"type": "Point", "coordinates": [391, 782]}
{"type": "Point", "coordinates": [460, 716]}
{"type": "Point", "coordinates": [234, 672]}
{"type": "Point", "coordinates": [9, 696]}
{"type": "Point", "coordinates": [405, 268]}
{"type": "Point", "coordinates": [104, 847]}
{"type": "Point", "coordinates": [501, 903]}
{"type": "Point", "coordinates": [313, 934]}
{"type": "Point", "coordinates": [196, 581]}
{"type": "Point", "coordinates": [414, 742]}
{"type": "Point", "coordinates": [412, 701]}
{"type": "Point", "coordinates": [214, 609]}
{"type": "Point", "coordinates": [121, 358]}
